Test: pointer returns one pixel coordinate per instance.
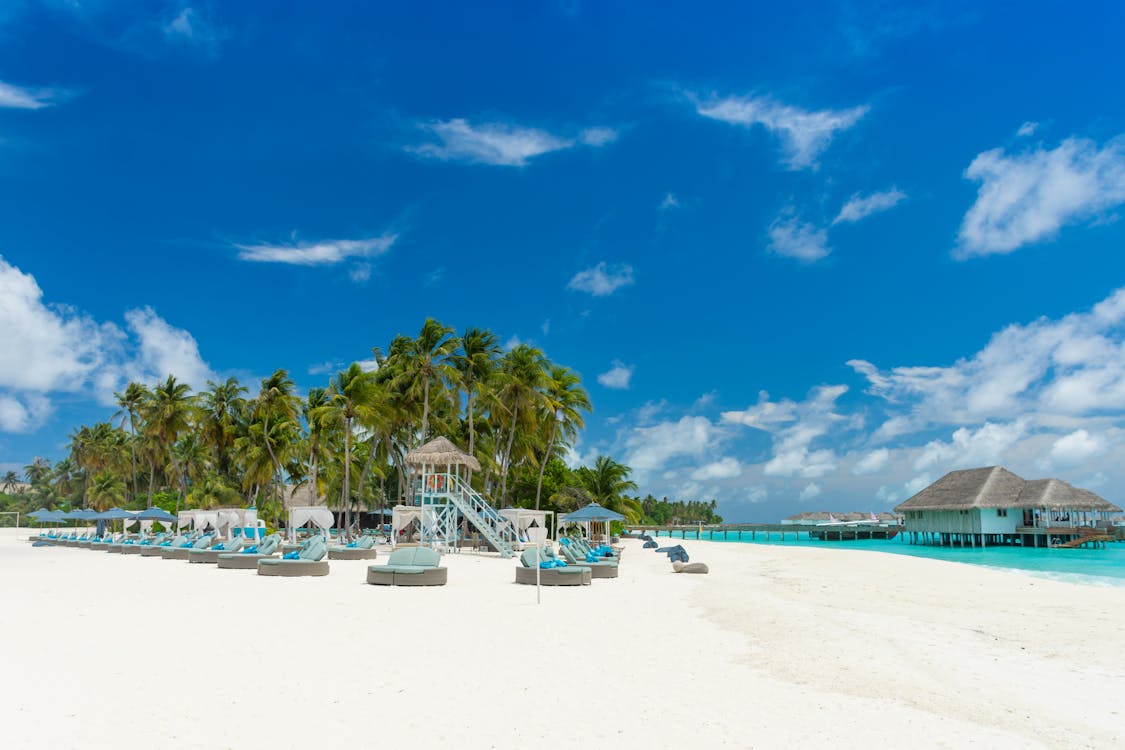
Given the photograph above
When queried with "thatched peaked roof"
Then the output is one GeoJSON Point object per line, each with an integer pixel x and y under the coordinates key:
{"type": "Point", "coordinates": [996, 487]}
{"type": "Point", "coordinates": [441, 452]}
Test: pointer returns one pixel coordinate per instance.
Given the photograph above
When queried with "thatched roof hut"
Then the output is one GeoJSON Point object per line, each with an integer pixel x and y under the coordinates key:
{"type": "Point", "coordinates": [996, 487]}
{"type": "Point", "coordinates": [441, 452]}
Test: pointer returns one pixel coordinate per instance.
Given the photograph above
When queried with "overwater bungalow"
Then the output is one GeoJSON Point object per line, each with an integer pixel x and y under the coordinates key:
{"type": "Point", "coordinates": [991, 505]}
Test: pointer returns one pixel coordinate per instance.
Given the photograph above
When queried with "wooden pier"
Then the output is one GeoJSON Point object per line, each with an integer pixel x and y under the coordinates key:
{"type": "Point", "coordinates": [772, 531]}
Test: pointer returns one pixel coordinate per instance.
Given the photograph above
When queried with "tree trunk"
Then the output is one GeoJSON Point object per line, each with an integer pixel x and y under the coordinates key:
{"type": "Point", "coordinates": [133, 454]}
{"type": "Point", "coordinates": [347, 472]}
{"type": "Point", "coordinates": [546, 458]}
{"type": "Point", "coordinates": [425, 408]}
{"type": "Point", "coordinates": [472, 432]}
{"type": "Point", "coordinates": [151, 480]}
{"type": "Point", "coordinates": [506, 463]}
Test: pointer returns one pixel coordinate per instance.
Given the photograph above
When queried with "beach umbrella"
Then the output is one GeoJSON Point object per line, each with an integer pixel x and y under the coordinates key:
{"type": "Point", "coordinates": [116, 514]}
{"type": "Point", "coordinates": [155, 514]}
{"type": "Point", "coordinates": [593, 513]}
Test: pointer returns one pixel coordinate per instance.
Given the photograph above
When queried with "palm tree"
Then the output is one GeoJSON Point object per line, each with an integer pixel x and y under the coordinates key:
{"type": "Point", "coordinates": [352, 395]}
{"type": "Point", "coordinates": [519, 384]}
{"type": "Point", "coordinates": [276, 402]}
{"type": "Point", "coordinates": [427, 364]}
{"type": "Point", "coordinates": [106, 491]}
{"type": "Point", "coordinates": [220, 407]}
{"type": "Point", "coordinates": [212, 491]}
{"type": "Point", "coordinates": [314, 411]}
{"type": "Point", "coordinates": [475, 362]}
{"type": "Point", "coordinates": [168, 413]}
{"type": "Point", "coordinates": [11, 479]}
{"type": "Point", "coordinates": [565, 399]}
{"type": "Point", "coordinates": [608, 482]}
{"type": "Point", "coordinates": [131, 401]}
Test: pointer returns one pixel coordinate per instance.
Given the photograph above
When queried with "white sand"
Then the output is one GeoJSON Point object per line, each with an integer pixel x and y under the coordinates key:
{"type": "Point", "coordinates": [779, 645]}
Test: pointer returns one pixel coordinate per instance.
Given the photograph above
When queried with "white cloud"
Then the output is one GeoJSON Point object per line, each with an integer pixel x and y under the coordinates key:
{"type": "Point", "coordinates": [360, 273]}
{"type": "Point", "coordinates": [1029, 196]}
{"type": "Point", "coordinates": [164, 350]}
{"type": "Point", "coordinates": [322, 253]}
{"type": "Point", "coordinates": [17, 97]}
{"type": "Point", "coordinates": [52, 349]}
{"type": "Point", "coordinates": [917, 484]}
{"type": "Point", "coordinates": [1074, 448]}
{"type": "Point", "coordinates": [513, 342]}
{"type": "Point", "coordinates": [1027, 129]}
{"type": "Point", "coordinates": [861, 206]}
{"type": "Point", "coordinates": [602, 280]}
{"type": "Point", "coordinates": [500, 144]}
{"type": "Point", "coordinates": [597, 137]}
{"type": "Point", "coordinates": [793, 238]}
{"type": "Point", "coordinates": [617, 377]}
{"type": "Point", "coordinates": [873, 462]}
{"type": "Point", "coordinates": [804, 134]}
{"type": "Point", "coordinates": [545, 327]}
{"type": "Point", "coordinates": [649, 449]}
{"type": "Point", "coordinates": [724, 468]}
{"type": "Point", "coordinates": [968, 448]}
{"type": "Point", "coordinates": [811, 490]}
{"type": "Point", "coordinates": [757, 493]}
{"type": "Point", "coordinates": [189, 26]}
{"type": "Point", "coordinates": [795, 426]}
{"type": "Point", "coordinates": [670, 201]}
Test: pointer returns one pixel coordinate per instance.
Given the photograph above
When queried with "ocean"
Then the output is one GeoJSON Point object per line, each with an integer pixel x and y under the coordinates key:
{"type": "Point", "coordinates": [1095, 567]}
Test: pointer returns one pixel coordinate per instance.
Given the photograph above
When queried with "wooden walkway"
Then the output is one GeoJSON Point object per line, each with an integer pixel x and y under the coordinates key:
{"type": "Point", "coordinates": [771, 531]}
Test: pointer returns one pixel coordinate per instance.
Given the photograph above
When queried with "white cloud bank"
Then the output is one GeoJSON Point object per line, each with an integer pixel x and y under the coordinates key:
{"type": "Point", "coordinates": [499, 143]}
{"type": "Point", "coordinates": [1030, 196]}
{"type": "Point", "coordinates": [804, 134]}
{"type": "Point", "coordinates": [602, 280]}
{"type": "Point", "coordinates": [53, 349]}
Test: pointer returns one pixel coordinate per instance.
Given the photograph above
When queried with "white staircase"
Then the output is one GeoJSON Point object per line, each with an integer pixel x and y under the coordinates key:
{"type": "Point", "coordinates": [494, 527]}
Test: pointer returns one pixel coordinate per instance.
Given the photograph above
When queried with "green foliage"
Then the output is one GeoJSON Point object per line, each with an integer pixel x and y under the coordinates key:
{"type": "Point", "coordinates": [665, 512]}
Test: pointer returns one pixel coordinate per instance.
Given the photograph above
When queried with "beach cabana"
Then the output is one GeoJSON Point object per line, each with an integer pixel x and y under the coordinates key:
{"type": "Point", "coordinates": [593, 514]}
{"type": "Point", "coordinates": [310, 515]}
{"type": "Point", "coordinates": [523, 519]}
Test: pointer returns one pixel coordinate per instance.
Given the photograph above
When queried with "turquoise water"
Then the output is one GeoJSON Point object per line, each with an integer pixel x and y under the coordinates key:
{"type": "Point", "coordinates": [1098, 567]}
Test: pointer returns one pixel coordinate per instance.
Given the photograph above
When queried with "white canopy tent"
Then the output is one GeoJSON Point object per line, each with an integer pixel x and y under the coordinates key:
{"type": "Point", "coordinates": [525, 518]}
{"type": "Point", "coordinates": [317, 516]}
{"type": "Point", "coordinates": [402, 516]}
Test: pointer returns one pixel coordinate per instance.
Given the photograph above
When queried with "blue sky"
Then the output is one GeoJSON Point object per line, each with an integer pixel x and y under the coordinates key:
{"type": "Point", "coordinates": [805, 258]}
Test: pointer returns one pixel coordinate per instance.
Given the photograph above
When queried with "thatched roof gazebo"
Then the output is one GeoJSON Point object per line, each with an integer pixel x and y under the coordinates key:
{"type": "Point", "coordinates": [441, 452]}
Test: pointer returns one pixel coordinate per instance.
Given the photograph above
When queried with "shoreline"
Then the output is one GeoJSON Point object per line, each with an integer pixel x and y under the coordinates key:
{"type": "Point", "coordinates": [776, 645]}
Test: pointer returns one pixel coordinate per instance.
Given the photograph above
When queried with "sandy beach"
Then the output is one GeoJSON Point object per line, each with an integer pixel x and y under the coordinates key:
{"type": "Point", "coordinates": [778, 645]}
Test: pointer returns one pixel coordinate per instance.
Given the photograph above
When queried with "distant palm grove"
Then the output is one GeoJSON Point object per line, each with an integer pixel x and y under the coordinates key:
{"type": "Point", "coordinates": [516, 411]}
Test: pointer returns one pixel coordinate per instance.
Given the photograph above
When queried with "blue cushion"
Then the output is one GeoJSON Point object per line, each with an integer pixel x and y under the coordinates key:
{"type": "Point", "coordinates": [560, 563]}
{"type": "Point", "coordinates": [547, 564]}
{"type": "Point", "coordinates": [565, 541]}
{"type": "Point", "coordinates": [291, 556]}
{"type": "Point", "coordinates": [220, 545]}
{"type": "Point", "coordinates": [250, 550]}
{"type": "Point", "coordinates": [351, 545]}
{"type": "Point", "coordinates": [591, 557]}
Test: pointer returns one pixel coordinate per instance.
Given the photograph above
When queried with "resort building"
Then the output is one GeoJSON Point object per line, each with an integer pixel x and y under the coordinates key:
{"type": "Point", "coordinates": [991, 505]}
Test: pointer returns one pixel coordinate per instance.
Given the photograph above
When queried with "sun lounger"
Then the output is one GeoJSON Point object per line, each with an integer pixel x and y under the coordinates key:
{"type": "Point", "coordinates": [247, 558]}
{"type": "Point", "coordinates": [156, 549]}
{"type": "Point", "coordinates": [309, 562]}
{"type": "Point", "coordinates": [409, 566]}
{"type": "Point", "coordinates": [361, 549]}
{"type": "Point", "coordinates": [583, 548]}
{"type": "Point", "coordinates": [183, 551]}
{"type": "Point", "coordinates": [555, 575]}
{"type": "Point", "coordinates": [601, 568]}
{"type": "Point", "coordinates": [211, 554]}
{"type": "Point", "coordinates": [679, 567]}
{"type": "Point", "coordinates": [139, 547]}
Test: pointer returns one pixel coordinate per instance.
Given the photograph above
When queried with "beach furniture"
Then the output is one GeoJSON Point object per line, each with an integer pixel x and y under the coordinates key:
{"type": "Point", "coordinates": [136, 549]}
{"type": "Point", "coordinates": [211, 554]}
{"type": "Point", "coordinates": [552, 574]}
{"type": "Point", "coordinates": [184, 550]}
{"type": "Point", "coordinates": [679, 567]}
{"type": "Point", "coordinates": [583, 548]}
{"type": "Point", "coordinates": [247, 558]}
{"type": "Point", "coordinates": [599, 568]}
{"type": "Point", "coordinates": [361, 549]}
{"type": "Point", "coordinates": [409, 566]}
{"type": "Point", "coordinates": [310, 561]}
{"type": "Point", "coordinates": [156, 549]}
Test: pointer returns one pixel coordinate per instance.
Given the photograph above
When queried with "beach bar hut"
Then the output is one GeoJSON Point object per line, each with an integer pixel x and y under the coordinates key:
{"type": "Point", "coordinates": [991, 505]}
